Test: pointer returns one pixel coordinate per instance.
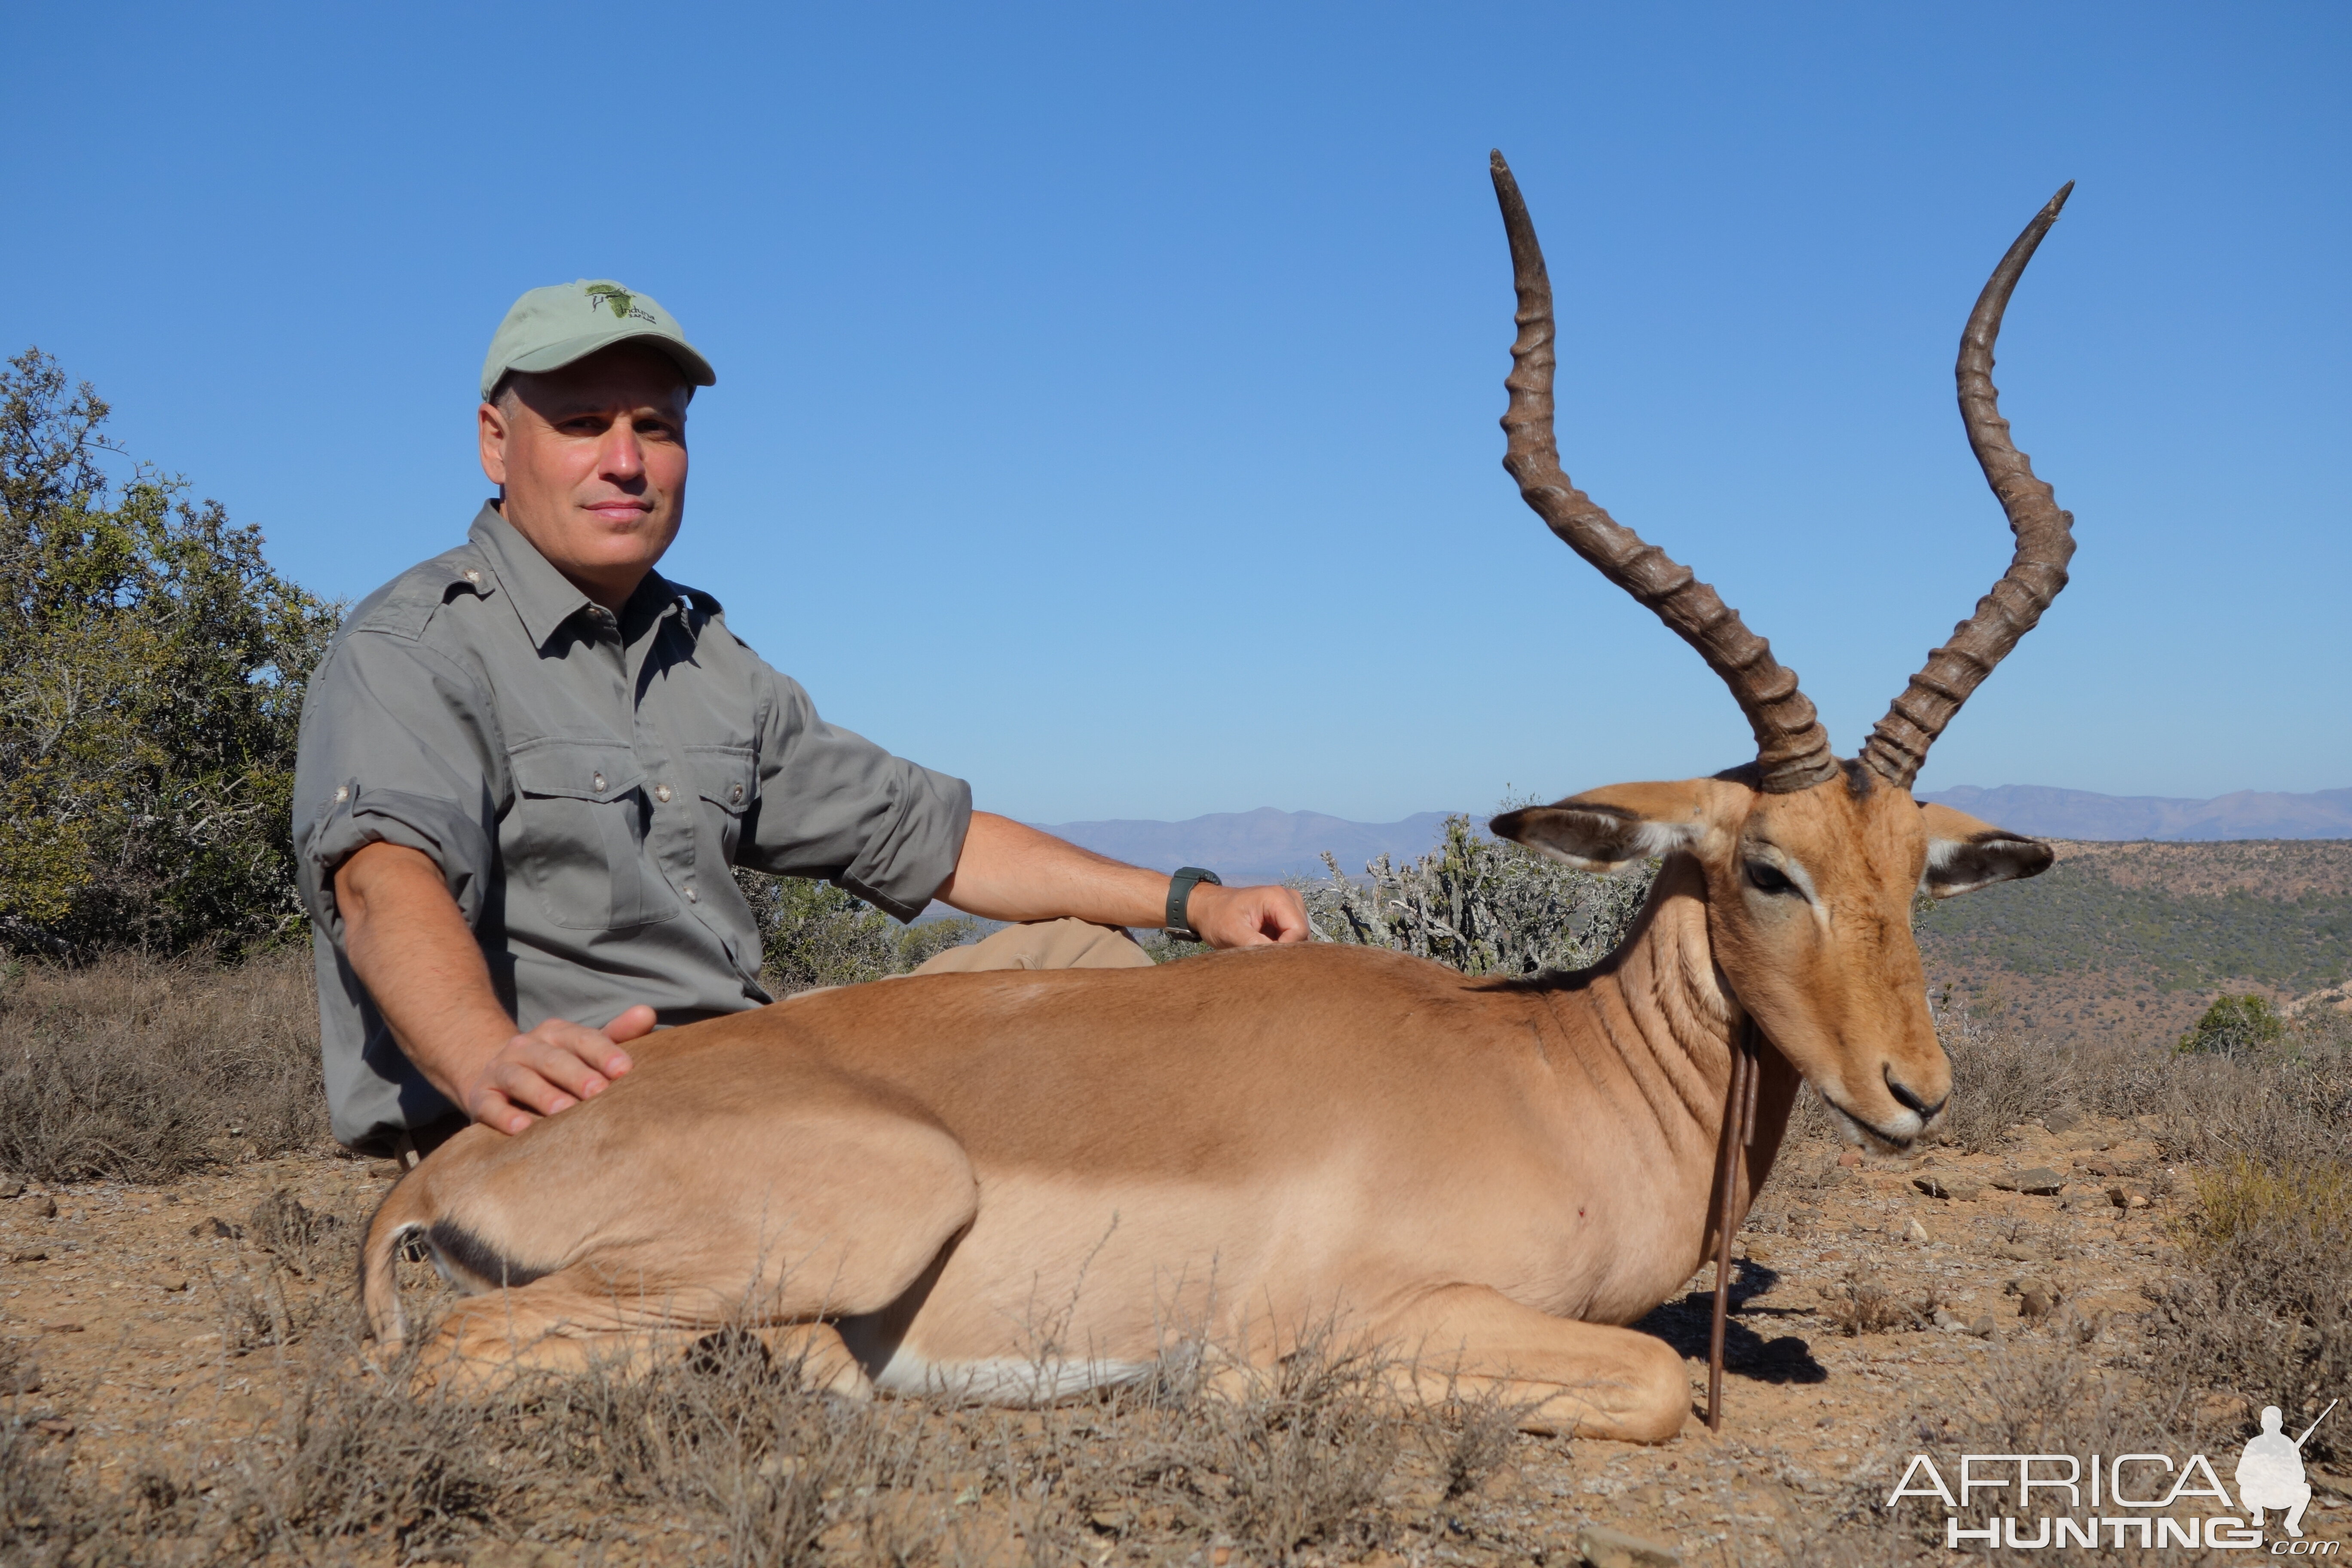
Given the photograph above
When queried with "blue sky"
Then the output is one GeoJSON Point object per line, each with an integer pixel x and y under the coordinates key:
{"type": "Point", "coordinates": [1106, 394]}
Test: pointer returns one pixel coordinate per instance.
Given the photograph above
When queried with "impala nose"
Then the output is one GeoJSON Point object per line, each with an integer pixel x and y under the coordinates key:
{"type": "Point", "coordinates": [1902, 1092]}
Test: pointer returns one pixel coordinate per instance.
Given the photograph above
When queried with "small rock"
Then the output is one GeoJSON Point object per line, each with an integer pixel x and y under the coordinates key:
{"type": "Point", "coordinates": [170, 1280]}
{"type": "Point", "coordinates": [1982, 1326]}
{"type": "Point", "coordinates": [1914, 1231]}
{"type": "Point", "coordinates": [1759, 1252]}
{"type": "Point", "coordinates": [55, 1427]}
{"type": "Point", "coordinates": [2023, 1252]}
{"type": "Point", "coordinates": [2125, 1198]}
{"type": "Point", "coordinates": [2040, 1182]}
{"type": "Point", "coordinates": [61, 1328]}
{"type": "Point", "coordinates": [12, 1188]}
{"type": "Point", "coordinates": [213, 1225]}
{"type": "Point", "coordinates": [388, 1170]}
{"type": "Point", "coordinates": [34, 1256]}
{"type": "Point", "coordinates": [1601, 1547]}
{"type": "Point", "coordinates": [1966, 1189]}
{"type": "Point", "coordinates": [1947, 1321]}
{"type": "Point", "coordinates": [1850, 1158]}
{"type": "Point", "coordinates": [2036, 1299]}
{"type": "Point", "coordinates": [2061, 1120]}
{"type": "Point", "coordinates": [43, 1206]}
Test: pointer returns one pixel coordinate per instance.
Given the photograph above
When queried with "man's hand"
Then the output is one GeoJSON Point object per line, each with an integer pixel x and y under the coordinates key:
{"type": "Point", "coordinates": [1012, 872]}
{"type": "Point", "coordinates": [1246, 917]}
{"type": "Point", "coordinates": [421, 965]}
{"type": "Point", "coordinates": [553, 1068]}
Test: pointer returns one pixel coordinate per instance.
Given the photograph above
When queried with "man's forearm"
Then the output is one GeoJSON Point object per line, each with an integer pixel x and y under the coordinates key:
{"type": "Point", "coordinates": [1012, 872]}
{"type": "Point", "coordinates": [413, 951]}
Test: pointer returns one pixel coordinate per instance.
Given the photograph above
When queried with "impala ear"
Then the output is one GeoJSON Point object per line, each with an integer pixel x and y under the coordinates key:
{"type": "Point", "coordinates": [1609, 829]}
{"type": "Point", "coordinates": [1964, 854]}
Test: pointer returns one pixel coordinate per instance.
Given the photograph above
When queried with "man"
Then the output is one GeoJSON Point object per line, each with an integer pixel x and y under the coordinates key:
{"type": "Point", "coordinates": [527, 766]}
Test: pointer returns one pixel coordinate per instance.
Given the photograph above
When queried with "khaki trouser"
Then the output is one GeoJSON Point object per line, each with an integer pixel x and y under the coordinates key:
{"type": "Point", "coordinates": [1043, 944]}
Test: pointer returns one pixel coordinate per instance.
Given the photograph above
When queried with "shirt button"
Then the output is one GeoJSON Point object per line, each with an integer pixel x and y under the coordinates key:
{"type": "Point", "coordinates": [735, 795]}
{"type": "Point", "coordinates": [473, 576]}
{"type": "Point", "coordinates": [689, 893]}
{"type": "Point", "coordinates": [661, 794]}
{"type": "Point", "coordinates": [342, 793]}
{"type": "Point", "coordinates": [597, 783]}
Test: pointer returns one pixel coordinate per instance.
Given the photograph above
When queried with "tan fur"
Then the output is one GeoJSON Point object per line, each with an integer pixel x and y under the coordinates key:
{"type": "Point", "coordinates": [1012, 1184]}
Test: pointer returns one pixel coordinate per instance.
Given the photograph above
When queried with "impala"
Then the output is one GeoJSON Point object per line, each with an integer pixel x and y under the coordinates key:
{"type": "Point", "coordinates": [903, 1181]}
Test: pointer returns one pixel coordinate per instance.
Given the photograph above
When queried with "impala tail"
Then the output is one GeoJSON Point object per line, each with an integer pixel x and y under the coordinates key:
{"type": "Point", "coordinates": [405, 1213]}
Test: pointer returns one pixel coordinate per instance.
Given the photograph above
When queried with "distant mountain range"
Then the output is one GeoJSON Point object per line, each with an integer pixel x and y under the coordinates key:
{"type": "Point", "coordinates": [1266, 844]}
{"type": "Point", "coordinates": [2079, 813]}
{"type": "Point", "coordinates": [1260, 846]}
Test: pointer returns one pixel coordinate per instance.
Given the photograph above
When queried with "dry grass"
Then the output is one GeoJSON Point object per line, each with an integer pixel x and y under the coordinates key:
{"type": "Point", "coordinates": [142, 1071]}
{"type": "Point", "coordinates": [1315, 1454]}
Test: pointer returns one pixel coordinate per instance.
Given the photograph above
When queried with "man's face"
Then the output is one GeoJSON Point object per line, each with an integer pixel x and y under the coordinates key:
{"type": "Point", "coordinates": [593, 460]}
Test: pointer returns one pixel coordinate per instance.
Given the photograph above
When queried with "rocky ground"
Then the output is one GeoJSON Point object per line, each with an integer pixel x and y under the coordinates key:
{"type": "Point", "coordinates": [159, 1331]}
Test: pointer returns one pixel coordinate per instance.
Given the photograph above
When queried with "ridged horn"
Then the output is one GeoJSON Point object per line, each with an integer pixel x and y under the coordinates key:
{"type": "Point", "coordinates": [2045, 539]}
{"type": "Point", "coordinates": [1792, 749]}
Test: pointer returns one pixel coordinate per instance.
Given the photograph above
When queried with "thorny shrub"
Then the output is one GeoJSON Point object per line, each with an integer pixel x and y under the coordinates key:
{"type": "Point", "coordinates": [1859, 1304]}
{"type": "Point", "coordinates": [1481, 905]}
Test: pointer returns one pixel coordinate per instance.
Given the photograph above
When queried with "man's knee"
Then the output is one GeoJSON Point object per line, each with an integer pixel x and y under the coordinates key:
{"type": "Point", "coordinates": [1043, 944]}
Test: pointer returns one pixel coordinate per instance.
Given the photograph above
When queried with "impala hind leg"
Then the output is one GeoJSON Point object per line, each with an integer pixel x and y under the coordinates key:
{"type": "Point", "coordinates": [570, 1322]}
{"type": "Point", "coordinates": [1586, 1379]}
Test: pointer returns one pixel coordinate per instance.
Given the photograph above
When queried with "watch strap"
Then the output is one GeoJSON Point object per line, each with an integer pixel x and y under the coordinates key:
{"type": "Point", "coordinates": [1180, 893]}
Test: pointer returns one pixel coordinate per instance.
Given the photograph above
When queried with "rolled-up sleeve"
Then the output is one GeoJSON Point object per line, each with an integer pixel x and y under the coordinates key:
{"type": "Point", "coordinates": [398, 747]}
{"type": "Point", "coordinates": [833, 805]}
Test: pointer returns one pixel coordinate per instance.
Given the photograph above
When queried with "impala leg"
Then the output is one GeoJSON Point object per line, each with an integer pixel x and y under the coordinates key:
{"type": "Point", "coordinates": [1587, 1379]}
{"type": "Point", "coordinates": [570, 1321]}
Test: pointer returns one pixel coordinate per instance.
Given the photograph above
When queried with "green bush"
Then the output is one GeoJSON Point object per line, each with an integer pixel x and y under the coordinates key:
{"type": "Point", "coordinates": [2233, 1026]}
{"type": "Point", "coordinates": [812, 934]}
{"type": "Point", "coordinates": [149, 701]}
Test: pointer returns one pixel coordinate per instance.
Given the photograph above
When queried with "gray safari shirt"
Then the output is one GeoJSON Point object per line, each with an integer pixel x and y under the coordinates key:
{"type": "Point", "coordinates": [584, 782]}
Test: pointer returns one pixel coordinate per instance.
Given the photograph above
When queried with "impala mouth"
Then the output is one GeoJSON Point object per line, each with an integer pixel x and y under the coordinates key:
{"type": "Point", "coordinates": [1906, 1128]}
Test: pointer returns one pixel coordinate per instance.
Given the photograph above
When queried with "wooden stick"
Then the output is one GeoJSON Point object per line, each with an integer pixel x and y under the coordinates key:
{"type": "Point", "coordinates": [1739, 1133]}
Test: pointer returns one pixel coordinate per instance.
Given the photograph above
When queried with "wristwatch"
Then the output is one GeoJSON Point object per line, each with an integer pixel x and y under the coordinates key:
{"type": "Point", "coordinates": [1180, 893]}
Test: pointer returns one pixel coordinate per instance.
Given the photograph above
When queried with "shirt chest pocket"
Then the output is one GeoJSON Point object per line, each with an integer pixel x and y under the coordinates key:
{"type": "Point", "coordinates": [726, 778]}
{"type": "Point", "coordinates": [577, 840]}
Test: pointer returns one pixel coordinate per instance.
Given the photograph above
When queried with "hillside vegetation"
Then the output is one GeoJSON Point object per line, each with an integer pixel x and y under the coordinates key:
{"type": "Point", "coordinates": [2137, 938]}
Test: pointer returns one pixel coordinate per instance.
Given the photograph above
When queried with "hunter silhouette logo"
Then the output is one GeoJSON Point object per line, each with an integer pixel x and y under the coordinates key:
{"type": "Point", "coordinates": [624, 303]}
{"type": "Point", "coordinates": [2270, 1472]}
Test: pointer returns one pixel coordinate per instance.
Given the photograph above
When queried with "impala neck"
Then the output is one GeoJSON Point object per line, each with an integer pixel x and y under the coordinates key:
{"type": "Point", "coordinates": [1686, 1024]}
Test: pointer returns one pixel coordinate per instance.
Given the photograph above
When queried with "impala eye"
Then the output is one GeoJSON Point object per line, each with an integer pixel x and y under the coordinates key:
{"type": "Point", "coordinates": [1768, 878]}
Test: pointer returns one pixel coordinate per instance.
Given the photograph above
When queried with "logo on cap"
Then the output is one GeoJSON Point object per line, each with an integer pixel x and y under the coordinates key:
{"type": "Point", "coordinates": [624, 303]}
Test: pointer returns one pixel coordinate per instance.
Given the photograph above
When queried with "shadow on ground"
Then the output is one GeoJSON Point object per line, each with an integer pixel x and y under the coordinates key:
{"type": "Point", "coordinates": [1687, 1323]}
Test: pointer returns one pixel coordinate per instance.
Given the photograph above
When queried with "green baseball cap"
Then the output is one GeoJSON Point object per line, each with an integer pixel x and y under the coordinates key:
{"type": "Point", "coordinates": [549, 328]}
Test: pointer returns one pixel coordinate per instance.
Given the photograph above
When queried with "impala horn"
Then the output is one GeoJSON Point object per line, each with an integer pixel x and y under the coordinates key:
{"type": "Point", "coordinates": [2045, 539]}
{"type": "Point", "coordinates": [1792, 749]}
